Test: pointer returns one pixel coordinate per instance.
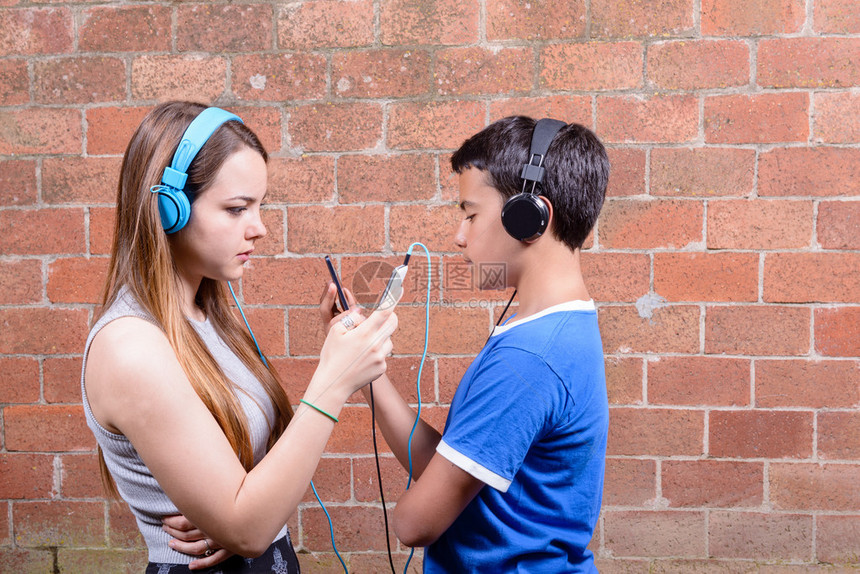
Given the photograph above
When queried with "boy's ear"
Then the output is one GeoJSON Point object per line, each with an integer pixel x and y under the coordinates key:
{"type": "Point", "coordinates": [550, 213]}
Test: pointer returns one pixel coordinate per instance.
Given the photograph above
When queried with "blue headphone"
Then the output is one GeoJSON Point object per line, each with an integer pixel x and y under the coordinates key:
{"type": "Point", "coordinates": [173, 204]}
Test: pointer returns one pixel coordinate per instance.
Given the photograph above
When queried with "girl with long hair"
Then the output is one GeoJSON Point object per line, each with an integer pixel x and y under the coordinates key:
{"type": "Point", "coordinates": [190, 419]}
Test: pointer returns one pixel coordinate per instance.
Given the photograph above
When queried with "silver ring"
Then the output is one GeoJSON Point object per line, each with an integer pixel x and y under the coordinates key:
{"type": "Point", "coordinates": [209, 551]}
{"type": "Point", "coordinates": [347, 322]}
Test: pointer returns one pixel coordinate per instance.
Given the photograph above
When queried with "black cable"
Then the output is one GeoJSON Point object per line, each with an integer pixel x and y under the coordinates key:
{"type": "Point", "coordinates": [379, 479]}
{"type": "Point", "coordinates": [502, 316]}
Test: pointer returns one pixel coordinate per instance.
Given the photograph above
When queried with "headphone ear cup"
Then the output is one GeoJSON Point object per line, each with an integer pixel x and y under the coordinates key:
{"type": "Point", "coordinates": [525, 216]}
{"type": "Point", "coordinates": [174, 209]}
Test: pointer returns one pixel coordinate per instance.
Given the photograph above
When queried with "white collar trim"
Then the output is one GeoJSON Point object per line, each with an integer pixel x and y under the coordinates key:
{"type": "Point", "coordinates": [576, 305]}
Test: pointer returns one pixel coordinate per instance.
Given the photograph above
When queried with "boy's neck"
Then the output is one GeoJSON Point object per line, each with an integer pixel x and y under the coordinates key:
{"type": "Point", "coordinates": [549, 276]}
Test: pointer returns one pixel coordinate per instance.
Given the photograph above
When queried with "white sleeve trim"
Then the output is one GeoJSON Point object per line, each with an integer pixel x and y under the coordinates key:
{"type": "Point", "coordinates": [483, 474]}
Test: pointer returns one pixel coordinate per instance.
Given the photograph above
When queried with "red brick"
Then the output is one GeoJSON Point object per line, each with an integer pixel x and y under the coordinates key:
{"type": "Point", "coordinates": [266, 123]}
{"type": "Point", "coordinates": [649, 224]}
{"type": "Point", "coordinates": [20, 281]}
{"type": "Point", "coordinates": [20, 560]}
{"type": "Point", "coordinates": [616, 276]}
{"type": "Point", "coordinates": [309, 179]}
{"type": "Point", "coordinates": [624, 380]}
{"type": "Point", "coordinates": [835, 118]}
{"type": "Point", "coordinates": [658, 119]}
{"type": "Point", "coordinates": [389, 178]}
{"type": "Point", "coordinates": [702, 172]}
{"type": "Point", "coordinates": [273, 242]}
{"type": "Point", "coordinates": [817, 171]}
{"type": "Point", "coordinates": [611, 18]}
{"type": "Point", "coordinates": [428, 22]}
{"type": "Point", "coordinates": [76, 280]}
{"type": "Point", "coordinates": [757, 535]}
{"type": "Point", "coordinates": [5, 538]}
{"type": "Point", "coordinates": [627, 175]}
{"type": "Point", "coordinates": [378, 562]}
{"type": "Point", "coordinates": [305, 335]}
{"type": "Point", "coordinates": [752, 18]}
{"type": "Point", "coordinates": [837, 331]}
{"type": "Point", "coordinates": [655, 432]}
{"type": "Point", "coordinates": [28, 31]}
{"type": "Point", "coordinates": [697, 381]}
{"type": "Point", "coordinates": [801, 486]}
{"type": "Point", "coordinates": [812, 277]}
{"type": "Point", "coordinates": [80, 476]}
{"type": "Point", "coordinates": [698, 64]}
{"type": "Point", "coordinates": [837, 539]}
{"type": "Point", "coordinates": [451, 371]}
{"type": "Point", "coordinates": [344, 229]}
{"type": "Point", "coordinates": [661, 329]}
{"type": "Point", "coordinates": [268, 326]}
{"type": "Point", "coordinates": [757, 330]}
{"type": "Point", "coordinates": [836, 17]}
{"type": "Point", "coordinates": [122, 527]}
{"type": "Point", "coordinates": [629, 482]}
{"type": "Point", "coordinates": [101, 229]}
{"type": "Point", "coordinates": [808, 63]}
{"type": "Point", "coordinates": [366, 482]}
{"type": "Point", "coordinates": [40, 131]}
{"type": "Point", "coordinates": [571, 109]}
{"type": "Point", "coordinates": [839, 435]}
{"type": "Point", "coordinates": [711, 483]}
{"type": "Point", "coordinates": [838, 225]}
{"type": "Point", "coordinates": [59, 523]}
{"type": "Point", "coordinates": [42, 331]}
{"type": "Point", "coordinates": [17, 182]}
{"type": "Point", "coordinates": [110, 129]}
{"type": "Point", "coordinates": [453, 330]}
{"type": "Point", "coordinates": [62, 379]}
{"type": "Point", "coordinates": [433, 124]}
{"type": "Point", "coordinates": [278, 77]}
{"type": "Point", "coordinates": [336, 127]}
{"type": "Point", "coordinates": [79, 80]}
{"type": "Point", "coordinates": [332, 480]}
{"type": "Point", "coordinates": [20, 380]}
{"type": "Point", "coordinates": [730, 277]}
{"type": "Point", "coordinates": [403, 372]}
{"type": "Point", "coordinates": [325, 24]}
{"type": "Point", "coordinates": [592, 66]}
{"type": "Point", "coordinates": [26, 475]}
{"type": "Point", "coordinates": [43, 232]}
{"type": "Point", "coordinates": [101, 560]}
{"type": "Point", "coordinates": [760, 118]}
{"type": "Point", "coordinates": [208, 27]}
{"type": "Point", "coordinates": [476, 71]}
{"type": "Point", "coordinates": [516, 20]}
{"type": "Point", "coordinates": [124, 28]}
{"type": "Point", "coordinates": [40, 428]}
{"type": "Point", "coordinates": [759, 224]}
{"type": "Point", "coordinates": [814, 384]}
{"type": "Point", "coordinates": [434, 226]}
{"type": "Point", "coordinates": [80, 179]}
{"type": "Point", "coordinates": [14, 82]}
{"type": "Point", "coordinates": [650, 533]}
{"type": "Point", "coordinates": [357, 528]}
{"type": "Point", "coordinates": [381, 73]}
{"type": "Point", "coordinates": [760, 434]}
{"type": "Point", "coordinates": [178, 77]}
{"type": "Point", "coordinates": [285, 281]}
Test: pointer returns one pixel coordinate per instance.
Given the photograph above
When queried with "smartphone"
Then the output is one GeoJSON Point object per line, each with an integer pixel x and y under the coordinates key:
{"type": "Point", "coordinates": [394, 289]}
{"type": "Point", "coordinates": [341, 297]}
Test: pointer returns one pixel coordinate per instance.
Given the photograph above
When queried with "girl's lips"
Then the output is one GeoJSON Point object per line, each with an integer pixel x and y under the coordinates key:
{"type": "Point", "coordinates": [245, 256]}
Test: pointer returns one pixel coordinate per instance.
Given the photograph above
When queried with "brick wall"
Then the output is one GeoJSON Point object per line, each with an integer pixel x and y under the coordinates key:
{"type": "Point", "coordinates": [726, 262]}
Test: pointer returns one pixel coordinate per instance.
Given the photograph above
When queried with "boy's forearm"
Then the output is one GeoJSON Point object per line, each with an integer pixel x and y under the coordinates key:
{"type": "Point", "coordinates": [395, 419]}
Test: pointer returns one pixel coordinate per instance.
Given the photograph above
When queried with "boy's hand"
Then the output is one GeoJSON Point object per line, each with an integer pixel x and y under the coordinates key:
{"type": "Point", "coordinates": [190, 540]}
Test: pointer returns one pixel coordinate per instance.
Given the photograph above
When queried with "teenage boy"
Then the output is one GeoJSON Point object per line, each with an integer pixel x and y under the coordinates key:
{"type": "Point", "coordinates": [514, 483]}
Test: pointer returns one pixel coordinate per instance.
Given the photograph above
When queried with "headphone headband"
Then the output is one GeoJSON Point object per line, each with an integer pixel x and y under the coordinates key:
{"type": "Point", "coordinates": [542, 137]}
{"type": "Point", "coordinates": [173, 205]}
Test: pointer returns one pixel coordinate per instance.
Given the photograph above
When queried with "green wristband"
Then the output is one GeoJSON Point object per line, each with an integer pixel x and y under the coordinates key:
{"type": "Point", "coordinates": [316, 408]}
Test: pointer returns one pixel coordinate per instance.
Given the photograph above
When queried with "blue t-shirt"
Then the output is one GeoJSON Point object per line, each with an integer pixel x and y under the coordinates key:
{"type": "Point", "coordinates": [529, 419]}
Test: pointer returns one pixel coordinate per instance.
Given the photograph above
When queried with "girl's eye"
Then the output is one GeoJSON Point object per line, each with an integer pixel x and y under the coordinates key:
{"type": "Point", "coordinates": [236, 210]}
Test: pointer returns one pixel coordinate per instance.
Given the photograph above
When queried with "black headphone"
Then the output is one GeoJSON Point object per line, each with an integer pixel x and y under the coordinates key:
{"type": "Point", "coordinates": [524, 215]}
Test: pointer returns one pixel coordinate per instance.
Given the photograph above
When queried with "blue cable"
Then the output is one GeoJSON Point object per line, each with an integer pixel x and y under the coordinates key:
{"type": "Point", "coordinates": [420, 370]}
{"type": "Point", "coordinates": [314, 488]}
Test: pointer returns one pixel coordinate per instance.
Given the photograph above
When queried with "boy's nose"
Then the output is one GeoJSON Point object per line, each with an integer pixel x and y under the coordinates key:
{"type": "Point", "coordinates": [460, 237]}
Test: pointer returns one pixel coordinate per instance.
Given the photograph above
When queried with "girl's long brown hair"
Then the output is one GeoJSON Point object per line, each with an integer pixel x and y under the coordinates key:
{"type": "Point", "coordinates": [141, 260]}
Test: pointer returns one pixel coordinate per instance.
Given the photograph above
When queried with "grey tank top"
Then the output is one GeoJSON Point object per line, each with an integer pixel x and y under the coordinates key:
{"type": "Point", "coordinates": [135, 483]}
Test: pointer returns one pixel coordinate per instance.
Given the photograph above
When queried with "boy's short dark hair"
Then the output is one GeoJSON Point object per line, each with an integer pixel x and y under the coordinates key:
{"type": "Point", "coordinates": [577, 171]}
